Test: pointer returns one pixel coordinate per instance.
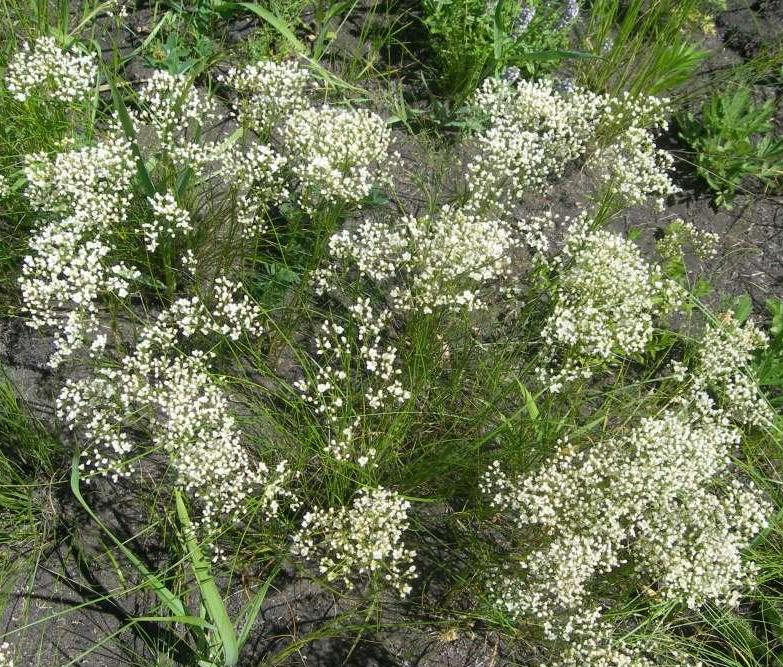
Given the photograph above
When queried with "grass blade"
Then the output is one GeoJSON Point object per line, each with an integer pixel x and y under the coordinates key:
{"type": "Point", "coordinates": [254, 606]}
{"type": "Point", "coordinates": [209, 590]}
{"type": "Point", "coordinates": [276, 22]}
{"type": "Point", "coordinates": [130, 133]}
{"type": "Point", "coordinates": [186, 620]}
{"type": "Point", "coordinates": [166, 596]}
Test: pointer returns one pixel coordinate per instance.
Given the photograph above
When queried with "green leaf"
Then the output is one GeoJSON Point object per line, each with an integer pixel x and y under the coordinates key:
{"type": "Point", "coordinates": [742, 307]}
{"type": "Point", "coordinates": [160, 589]}
{"type": "Point", "coordinates": [775, 309]}
{"type": "Point", "coordinates": [703, 287]}
{"type": "Point", "coordinates": [324, 34]}
{"type": "Point", "coordinates": [251, 611]}
{"type": "Point", "coordinates": [210, 595]}
{"type": "Point", "coordinates": [673, 65]}
{"type": "Point", "coordinates": [130, 133]}
{"type": "Point", "coordinates": [530, 402]}
{"type": "Point", "coordinates": [498, 34]}
{"type": "Point", "coordinates": [275, 21]}
{"type": "Point", "coordinates": [773, 620]}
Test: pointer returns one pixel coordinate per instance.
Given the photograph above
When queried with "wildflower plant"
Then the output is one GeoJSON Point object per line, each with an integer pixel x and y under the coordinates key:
{"type": "Point", "coordinates": [426, 263]}
{"type": "Point", "coordinates": [606, 304]}
{"type": "Point", "coordinates": [70, 265]}
{"type": "Point", "coordinates": [535, 131]}
{"type": "Point", "coordinates": [680, 236]}
{"type": "Point", "coordinates": [650, 501]}
{"type": "Point", "coordinates": [330, 391]}
{"type": "Point", "coordinates": [339, 154]}
{"type": "Point", "coordinates": [186, 413]}
{"type": "Point", "coordinates": [178, 113]}
{"type": "Point", "coordinates": [268, 93]}
{"type": "Point", "coordinates": [734, 142]}
{"type": "Point", "coordinates": [363, 540]}
{"type": "Point", "coordinates": [44, 70]}
{"type": "Point", "coordinates": [471, 380]}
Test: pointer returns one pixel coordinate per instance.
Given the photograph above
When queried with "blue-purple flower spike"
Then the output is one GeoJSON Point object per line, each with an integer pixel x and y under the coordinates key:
{"type": "Point", "coordinates": [523, 21]}
{"type": "Point", "coordinates": [570, 12]}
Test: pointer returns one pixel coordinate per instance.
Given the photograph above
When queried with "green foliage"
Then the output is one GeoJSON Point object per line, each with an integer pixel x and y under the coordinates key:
{"type": "Point", "coordinates": [204, 25]}
{"type": "Point", "coordinates": [26, 450]}
{"type": "Point", "coordinates": [770, 363]}
{"type": "Point", "coordinates": [212, 638]}
{"type": "Point", "coordinates": [474, 38]}
{"type": "Point", "coordinates": [639, 46]}
{"type": "Point", "coordinates": [472, 377]}
{"type": "Point", "coordinates": [267, 39]}
{"type": "Point", "coordinates": [28, 454]}
{"type": "Point", "coordinates": [734, 141]}
{"type": "Point", "coordinates": [178, 55]}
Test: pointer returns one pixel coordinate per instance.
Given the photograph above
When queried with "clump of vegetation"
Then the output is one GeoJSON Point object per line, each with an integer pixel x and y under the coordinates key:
{"type": "Point", "coordinates": [292, 347]}
{"type": "Point", "coordinates": [476, 38]}
{"type": "Point", "coordinates": [734, 142]}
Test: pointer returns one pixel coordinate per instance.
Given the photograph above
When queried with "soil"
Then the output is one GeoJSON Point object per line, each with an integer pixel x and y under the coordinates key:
{"type": "Point", "coordinates": [752, 231]}
{"type": "Point", "coordinates": [64, 600]}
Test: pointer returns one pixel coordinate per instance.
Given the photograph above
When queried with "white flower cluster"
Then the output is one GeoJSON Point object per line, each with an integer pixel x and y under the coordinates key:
{"type": "Point", "coordinates": [598, 648]}
{"type": "Point", "coordinates": [169, 219]}
{"type": "Point", "coordinates": [364, 540]}
{"type": "Point", "coordinates": [47, 70]}
{"type": "Point", "coordinates": [535, 232]}
{"type": "Point", "coordinates": [255, 169]}
{"type": "Point", "coordinates": [176, 400]}
{"type": "Point", "coordinates": [5, 188]}
{"type": "Point", "coordinates": [634, 169]}
{"type": "Point", "coordinates": [269, 92]}
{"type": "Point", "coordinates": [329, 391]}
{"type": "Point", "coordinates": [535, 131]}
{"type": "Point", "coordinates": [232, 316]}
{"type": "Point", "coordinates": [680, 234]}
{"type": "Point", "coordinates": [725, 351]}
{"type": "Point", "coordinates": [256, 173]}
{"type": "Point", "coordinates": [429, 262]}
{"type": "Point", "coordinates": [662, 499]}
{"type": "Point", "coordinates": [323, 391]}
{"type": "Point", "coordinates": [444, 260]}
{"type": "Point", "coordinates": [249, 215]}
{"type": "Point", "coordinates": [606, 302]}
{"type": "Point", "coordinates": [68, 268]}
{"type": "Point", "coordinates": [6, 659]}
{"type": "Point", "coordinates": [595, 651]}
{"type": "Point", "coordinates": [117, 9]}
{"type": "Point", "coordinates": [90, 183]}
{"type": "Point", "coordinates": [178, 113]}
{"type": "Point", "coordinates": [173, 107]}
{"type": "Point", "coordinates": [338, 155]}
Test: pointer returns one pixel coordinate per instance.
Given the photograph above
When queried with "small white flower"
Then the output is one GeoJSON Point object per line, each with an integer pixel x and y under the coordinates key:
{"type": "Point", "coordinates": [47, 70]}
{"type": "Point", "coordinates": [336, 154]}
{"type": "Point", "coordinates": [6, 659]}
{"type": "Point", "coordinates": [357, 541]}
